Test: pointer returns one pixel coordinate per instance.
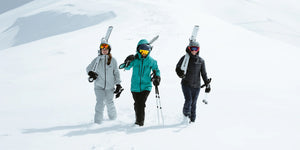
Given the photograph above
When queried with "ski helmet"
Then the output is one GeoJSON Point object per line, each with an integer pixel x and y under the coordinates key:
{"type": "Point", "coordinates": [104, 45]}
{"type": "Point", "coordinates": [145, 44]}
{"type": "Point", "coordinates": [143, 47]}
{"type": "Point", "coordinates": [192, 44]}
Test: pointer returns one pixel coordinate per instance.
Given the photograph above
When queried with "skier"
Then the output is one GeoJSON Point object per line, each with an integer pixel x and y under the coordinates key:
{"type": "Point", "coordinates": [106, 75]}
{"type": "Point", "coordinates": [190, 82]}
{"type": "Point", "coordinates": [141, 86]}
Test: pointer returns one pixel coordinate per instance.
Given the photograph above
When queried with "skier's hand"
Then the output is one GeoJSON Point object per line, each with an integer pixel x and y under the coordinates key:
{"type": "Point", "coordinates": [127, 61]}
{"type": "Point", "coordinates": [129, 58]}
{"type": "Point", "coordinates": [118, 88]}
{"type": "Point", "coordinates": [207, 89]}
{"type": "Point", "coordinates": [156, 80]}
{"type": "Point", "coordinates": [93, 75]}
{"type": "Point", "coordinates": [180, 72]}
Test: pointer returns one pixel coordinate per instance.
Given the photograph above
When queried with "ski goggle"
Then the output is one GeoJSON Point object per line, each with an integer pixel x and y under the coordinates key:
{"type": "Point", "coordinates": [102, 46]}
{"type": "Point", "coordinates": [144, 52]}
{"type": "Point", "coordinates": [194, 48]}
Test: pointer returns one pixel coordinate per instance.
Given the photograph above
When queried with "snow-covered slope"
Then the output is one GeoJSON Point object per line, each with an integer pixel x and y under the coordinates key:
{"type": "Point", "coordinates": [275, 19]}
{"type": "Point", "coordinates": [46, 101]}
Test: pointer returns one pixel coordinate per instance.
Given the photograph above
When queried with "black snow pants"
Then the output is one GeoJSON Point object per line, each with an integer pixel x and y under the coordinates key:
{"type": "Point", "coordinates": [140, 99]}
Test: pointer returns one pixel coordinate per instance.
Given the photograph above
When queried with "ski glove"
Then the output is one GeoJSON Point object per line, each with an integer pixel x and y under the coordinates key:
{"type": "Point", "coordinates": [93, 75]}
{"type": "Point", "coordinates": [118, 90]}
{"type": "Point", "coordinates": [180, 72]}
{"type": "Point", "coordinates": [129, 58]}
{"type": "Point", "coordinates": [207, 89]}
{"type": "Point", "coordinates": [127, 61]}
{"type": "Point", "coordinates": [156, 80]}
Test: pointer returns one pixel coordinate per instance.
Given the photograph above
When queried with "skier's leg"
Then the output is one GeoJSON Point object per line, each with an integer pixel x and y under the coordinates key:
{"type": "Point", "coordinates": [139, 106]}
{"type": "Point", "coordinates": [195, 95]}
{"type": "Point", "coordinates": [136, 98]}
{"type": "Point", "coordinates": [144, 96]}
{"type": "Point", "coordinates": [188, 100]}
{"type": "Point", "coordinates": [111, 109]}
{"type": "Point", "coordinates": [99, 105]}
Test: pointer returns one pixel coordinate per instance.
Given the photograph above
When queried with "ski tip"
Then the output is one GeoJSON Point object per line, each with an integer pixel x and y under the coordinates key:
{"type": "Point", "coordinates": [154, 39]}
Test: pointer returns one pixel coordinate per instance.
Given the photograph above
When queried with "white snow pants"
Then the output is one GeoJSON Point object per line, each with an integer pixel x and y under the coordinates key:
{"type": "Point", "coordinates": [104, 98]}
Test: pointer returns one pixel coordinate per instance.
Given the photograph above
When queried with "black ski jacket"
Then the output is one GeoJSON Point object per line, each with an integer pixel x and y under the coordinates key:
{"type": "Point", "coordinates": [196, 67]}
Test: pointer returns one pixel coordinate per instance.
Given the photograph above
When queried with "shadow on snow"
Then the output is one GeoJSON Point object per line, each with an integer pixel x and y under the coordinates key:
{"type": "Point", "coordinates": [84, 129]}
{"type": "Point", "coordinates": [50, 23]}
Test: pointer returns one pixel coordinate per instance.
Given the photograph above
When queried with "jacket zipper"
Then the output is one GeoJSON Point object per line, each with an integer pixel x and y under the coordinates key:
{"type": "Point", "coordinates": [105, 72]}
{"type": "Point", "coordinates": [141, 74]}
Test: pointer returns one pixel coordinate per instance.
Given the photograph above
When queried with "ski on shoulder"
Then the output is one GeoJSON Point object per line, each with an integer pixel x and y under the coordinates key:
{"type": "Point", "coordinates": [186, 59]}
{"type": "Point", "coordinates": [103, 40]}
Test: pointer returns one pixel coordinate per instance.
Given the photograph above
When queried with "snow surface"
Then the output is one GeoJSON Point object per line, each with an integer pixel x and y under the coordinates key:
{"type": "Point", "coordinates": [46, 101]}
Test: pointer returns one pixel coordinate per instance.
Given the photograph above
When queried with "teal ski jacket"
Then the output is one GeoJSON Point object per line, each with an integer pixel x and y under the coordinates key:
{"type": "Point", "coordinates": [141, 73]}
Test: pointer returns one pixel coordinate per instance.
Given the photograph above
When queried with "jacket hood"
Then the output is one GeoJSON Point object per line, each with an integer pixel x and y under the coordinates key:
{"type": "Point", "coordinates": [142, 41]}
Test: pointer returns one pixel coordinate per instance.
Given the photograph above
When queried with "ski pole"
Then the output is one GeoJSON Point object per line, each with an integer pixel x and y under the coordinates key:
{"type": "Point", "coordinates": [158, 106]}
{"type": "Point", "coordinates": [205, 96]}
{"type": "Point", "coordinates": [156, 99]}
{"type": "Point", "coordinates": [205, 99]}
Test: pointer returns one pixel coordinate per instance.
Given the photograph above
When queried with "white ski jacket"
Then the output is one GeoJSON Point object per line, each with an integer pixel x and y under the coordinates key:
{"type": "Point", "coordinates": [108, 75]}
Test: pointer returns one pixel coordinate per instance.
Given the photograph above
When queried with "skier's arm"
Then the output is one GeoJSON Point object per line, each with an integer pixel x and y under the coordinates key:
{"type": "Point", "coordinates": [129, 66]}
{"type": "Point", "coordinates": [178, 70]}
{"type": "Point", "coordinates": [203, 73]}
{"type": "Point", "coordinates": [127, 62]}
{"type": "Point", "coordinates": [90, 66]}
{"type": "Point", "coordinates": [155, 67]}
{"type": "Point", "coordinates": [116, 72]}
{"type": "Point", "coordinates": [156, 77]}
{"type": "Point", "coordinates": [130, 60]}
{"type": "Point", "coordinates": [180, 62]}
